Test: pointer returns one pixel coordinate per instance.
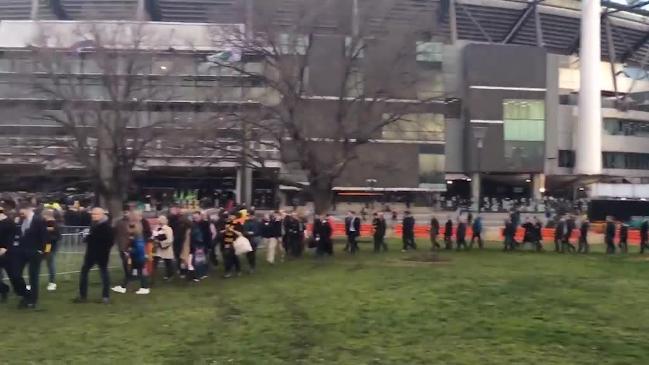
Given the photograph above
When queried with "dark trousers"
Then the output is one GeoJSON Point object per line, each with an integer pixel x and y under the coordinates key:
{"type": "Point", "coordinates": [565, 244]}
{"type": "Point", "coordinates": [138, 267]}
{"type": "Point", "coordinates": [610, 246]}
{"type": "Point", "coordinates": [461, 243]}
{"type": "Point", "coordinates": [88, 263]}
{"type": "Point", "coordinates": [325, 246]}
{"type": "Point", "coordinates": [352, 240]}
{"type": "Point", "coordinates": [178, 247]}
{"type": "Point", "coordinates": [252, 259]}
{"type": "Point", "coordinates": [379, 243]}
{"type": "Point", "coordinates": [509, 243]}
{"type": "Point", "coordinates": [433, 241]}
{"type": "Point", "coordinates": [409, 241]}
{"type": "Point", "coordinates": [4, 265]}
{"type": "Point", "coordinates": [169, 266]}
{"type": "Point", "coordinates": [583, 245]}
{"type": "Point", "coordinates": [19, 259]}
{"type": "Point", "coordinates": [624, 247]}
{"type": "Point", "coordinates": [231, 260]}
{"type": "Point", "coordinates": [558, 245]}
{"type": "Point", "coordinates": [448, 243]}
{"type": "Point", "coordinates": [473, 238]}
{"type": "Point", "coordinates": [643, 245]}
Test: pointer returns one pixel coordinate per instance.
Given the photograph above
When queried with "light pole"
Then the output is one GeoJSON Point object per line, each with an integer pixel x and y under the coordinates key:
{"type": "Point", "coordinates": [479, 133]}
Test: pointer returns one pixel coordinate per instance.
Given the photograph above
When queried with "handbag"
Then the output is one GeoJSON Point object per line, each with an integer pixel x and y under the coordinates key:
{"type": "Point", "coordinates": [242, 246]}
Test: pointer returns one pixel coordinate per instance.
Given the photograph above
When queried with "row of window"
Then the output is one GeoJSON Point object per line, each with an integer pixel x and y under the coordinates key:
{"type": "Point", "coordinates": [610, 160]}
{"type": "Point", "coordinates": [623, 127]}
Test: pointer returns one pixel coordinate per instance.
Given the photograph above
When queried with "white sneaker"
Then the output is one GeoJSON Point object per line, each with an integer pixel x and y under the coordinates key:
{"type": "Point", "coordinates": [28, 287]}
{"type": "Point", "coordinates": [143, 291]}
{"type": "Point", "coordinates": [51, 287]}
{"type": "Point", "coordinates": [119, 289]}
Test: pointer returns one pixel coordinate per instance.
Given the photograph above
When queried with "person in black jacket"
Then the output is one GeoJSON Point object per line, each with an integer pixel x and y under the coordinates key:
{"type": "Point", "coordinates": [448, 234]}
{"type": "Point", "coordinates": [624, 236]}
{"type": "Point", "coordinates": [609, 235]}
{"type": "Point", "coordinates": [53, 237]}
{"type": "Point", "coordinates": [180, 226]}
{"type": "Point", "coordinates": [508, 233]}
{"type": "Point", "coordinates": [7, 234]}
{"type": "Point", "coordinates": [570, 227]}
{"type": "Point", "coordinates": [460, 235]}
{"type": "Point", "coordinates": [353, 230]}
{"type": "Point", "coordinates": [99, 242]}
{"type": "Point", "coordinates": [583, 237]}
{"type": "Point", "coordinates": [379, 228]}
{"type": "Point", "coordinates": [294, 234]}
{"type": "Point", "coordinates": [31, 236]}
{"type": "Point", "coordinates": [326, 231]}
{"type": "Point", "coordinates": [644, 235]}
{"type": "Point", "coordinates": [559, 232]}
{"type": "Point", "coordinates": [434, 232]}
{"type": "Point", "coordinates": [538, 233]}
{"type": "Point", "coordinates": [408, 233]}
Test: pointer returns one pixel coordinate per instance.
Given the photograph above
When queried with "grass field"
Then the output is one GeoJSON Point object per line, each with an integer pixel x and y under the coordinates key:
{"type": "Point", "coordinates": [471, 308]}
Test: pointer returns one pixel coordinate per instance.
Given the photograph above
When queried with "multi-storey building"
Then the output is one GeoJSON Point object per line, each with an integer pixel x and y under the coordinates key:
{"type": "Point", "coordinates": [505, 76]}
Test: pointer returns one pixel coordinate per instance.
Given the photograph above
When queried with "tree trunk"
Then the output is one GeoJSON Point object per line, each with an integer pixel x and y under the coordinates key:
{"type": "Point", "coordinates": [322, 196]}
{"type": "Point", "coordinates": [113, 203]}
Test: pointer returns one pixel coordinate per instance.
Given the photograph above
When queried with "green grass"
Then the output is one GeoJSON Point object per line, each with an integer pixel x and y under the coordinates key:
{"type": "Point", "coordinates": [473, 308]}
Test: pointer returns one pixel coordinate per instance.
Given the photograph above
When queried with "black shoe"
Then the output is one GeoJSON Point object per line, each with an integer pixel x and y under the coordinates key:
{"type": "Point", "coordinates": [79, 300]}
{"type": "Point", "coordinates": [105, 300]}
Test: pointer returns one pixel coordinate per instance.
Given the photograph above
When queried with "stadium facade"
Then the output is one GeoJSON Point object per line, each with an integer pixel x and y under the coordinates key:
{"type": "Point", "coordinates": [506, 75]}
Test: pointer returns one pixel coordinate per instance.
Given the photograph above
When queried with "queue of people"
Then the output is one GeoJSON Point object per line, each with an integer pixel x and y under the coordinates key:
{"type": "Point", "coordinates": [191, 246]}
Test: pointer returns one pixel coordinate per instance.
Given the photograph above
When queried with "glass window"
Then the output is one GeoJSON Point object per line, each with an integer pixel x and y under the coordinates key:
{"type": "Point", "coordinates": [621, 127]}
{"type": "Point", "coordinates": [430, 83]}
{"type": "Point", "coordinates": [625, 160]}
{"type": "Point", "coordinates": [292, 44]}
{"type": "Point", "coordinates": [355, 83]}
{"type": "Point", "coordinates": [416, 127]}
{"type": "Point", "coordinates": [429, 52]}
{"type": "Point", "coordinates": [524, 120]}
{"type": "Point", "coordinates": [354, 47]}
{"type": "Point", "coordinates": [566, 158]}
{"type": "Point", "coordinates": [431, 168]}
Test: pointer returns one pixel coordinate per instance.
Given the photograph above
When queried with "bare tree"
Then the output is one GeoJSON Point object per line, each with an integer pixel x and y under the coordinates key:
{"type": "Point", "coordinates": [107, 96]}
{"type": "Point", "coordinates": [327, 92]}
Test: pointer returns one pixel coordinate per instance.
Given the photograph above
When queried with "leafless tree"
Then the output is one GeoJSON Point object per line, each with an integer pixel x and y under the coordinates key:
{"type": "Point", "coordinates": [102, 91]}
{"type": "Point", "coordinates": [367, 80]}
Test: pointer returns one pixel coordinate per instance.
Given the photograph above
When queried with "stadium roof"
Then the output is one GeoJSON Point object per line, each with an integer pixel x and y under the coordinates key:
{"type": "Point", "coordinates": [497, 21]}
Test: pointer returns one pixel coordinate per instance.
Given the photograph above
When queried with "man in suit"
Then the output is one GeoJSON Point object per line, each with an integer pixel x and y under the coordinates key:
{"type": "Point", "coordinates": [570, 227]}
{"type": "Point", "coordinates": [408, 234]}
{"type": "Point", "coordinates": [99, 242]}
{"type": "Point", "coordinates": [28, 250]}
{"type": "Point", "coordinates": [379, 226]}
{"type": "Point", "coordinates": [460, 235]}
{"type": "Point", "coordinates": [509, 232]}
{"type": "Point", "coordinates": [434, 232]}
{"type": "Point", "coordinates": [644, 235]}
{"type": "Point", "coordinates": [448, 234]}
{"type": "Point", "coordinates": [352, 230]}
{"type": "Point", "coordinates": [609, 235]}
{"type": "Point", "coordinates": [624, 236]}
{"type": "Point", "coordinates": [583, 237]}
{"type": "Point", "coordinates": [7, 234]}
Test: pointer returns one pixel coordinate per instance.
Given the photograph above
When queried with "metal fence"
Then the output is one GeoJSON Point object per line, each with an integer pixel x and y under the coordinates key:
{"type": "Point", "coordinates": [70, 251]}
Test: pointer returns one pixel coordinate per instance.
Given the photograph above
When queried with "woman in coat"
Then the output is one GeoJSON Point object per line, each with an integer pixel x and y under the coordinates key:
{"type": "Point", "coordinates": [163, 237]}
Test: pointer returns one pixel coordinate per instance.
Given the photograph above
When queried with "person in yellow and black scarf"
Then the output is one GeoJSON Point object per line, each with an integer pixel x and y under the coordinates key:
{"type": "Point", "coordinates": [232, 231]}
